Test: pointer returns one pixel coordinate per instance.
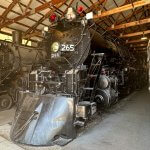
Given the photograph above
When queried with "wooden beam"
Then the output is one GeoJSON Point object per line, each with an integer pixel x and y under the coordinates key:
{"type": "Point", "coordinates": [30, 2]}
{"type": "Point", "coordinates": [138, 45]}
{"type": "Point", "coordinates": [24, 25]}
{"type": "Point", "coordinates": [36, 10]}
{"type": "Point", "coordinates": [27, 35]}
{"type": "Point", "coordinates": [136, 41]}
{"type": "Point", "coordinates": [140, 49]}
{"type": "Point", "coordinates": [92, 7]}
{"type": "Point", "coordinates": [123, 8]}
{"type": "Point", "coordinates": [134, 34]}
{"type": "Point", "coordinates": [32, 35]}
{"type": "Point", "coordinates": [5, 13]}
{"type": "Point", "coordinates": [130, 24]}
{"type": "Point", "coordinates": [20, 6]}
{"type": "Point", "coordinates": [54, 2]}
{"type": "Point", "coordinates": [129, 16]}
{"type": "Point", "coordinates": [33, 28]}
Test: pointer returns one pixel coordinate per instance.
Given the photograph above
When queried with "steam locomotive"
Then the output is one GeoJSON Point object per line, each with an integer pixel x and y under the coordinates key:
{"type": "Point", "coordinates": [82, 73]}
{"type": "Point", "coordinates": [16, 61]}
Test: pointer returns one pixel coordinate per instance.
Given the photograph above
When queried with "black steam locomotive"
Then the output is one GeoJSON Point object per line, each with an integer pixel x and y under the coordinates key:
{"type": "Point", "coordinates": [82, 73]}
{"type": "Point", "coordinates": [16, 61]}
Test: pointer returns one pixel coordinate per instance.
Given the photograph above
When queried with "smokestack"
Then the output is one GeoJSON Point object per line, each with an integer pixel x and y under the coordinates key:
{"type": "Point", "coordinates": [148, 60]}
{"type": "Point", "coordinates": [17, 37]}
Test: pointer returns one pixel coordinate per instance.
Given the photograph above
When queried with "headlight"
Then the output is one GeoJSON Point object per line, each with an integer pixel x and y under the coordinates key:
{"type": "Point", "coordinates": [55, 47]}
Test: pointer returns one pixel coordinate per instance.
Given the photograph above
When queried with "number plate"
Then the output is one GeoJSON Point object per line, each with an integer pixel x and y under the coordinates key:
{"type": "Point", "coordinates": [67, 47]}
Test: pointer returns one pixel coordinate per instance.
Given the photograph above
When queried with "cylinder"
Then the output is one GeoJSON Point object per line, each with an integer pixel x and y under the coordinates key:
{"type": "Point", "coordinates": [17, 37]}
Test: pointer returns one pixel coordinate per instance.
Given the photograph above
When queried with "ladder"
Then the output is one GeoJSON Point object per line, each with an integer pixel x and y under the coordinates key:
{"type": "Point", "coordinates": [92, 77]}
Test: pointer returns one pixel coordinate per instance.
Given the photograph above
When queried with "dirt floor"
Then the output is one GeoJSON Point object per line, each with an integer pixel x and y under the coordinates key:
{"type": "Point", "coordinates": [126, 126]}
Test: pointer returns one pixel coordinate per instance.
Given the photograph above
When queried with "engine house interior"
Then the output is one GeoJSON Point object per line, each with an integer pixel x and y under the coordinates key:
{"type": "Point", "coordinates": [73, 74]}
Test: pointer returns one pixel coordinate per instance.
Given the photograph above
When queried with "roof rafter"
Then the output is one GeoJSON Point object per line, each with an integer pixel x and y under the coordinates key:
{"type": "Point", "coordinates": [82, 14]}
{"type": "Point", "coordinates": [139, 45]}
{"type": "Point", "coordinates": [136, 41]}
{"type": "Point", "coordinates": [27, 35]}
{"type": "Point", "coordinates": [99, 2]}
{"type": "Point", "coordinates": [122, 8]}
{"type": "Point", "coordinates": [33, 28]}
{"type": "Point", "coordinates": [140, 48]}
{"type": "Point", "coordinates": [130, 24]}
{"type": "Point", "coordinates": [5, 13]}
{"type": "Point", "coordinates": [135, 34]}
{"type": "Point", "coordinates": [129, 16]}
{"type": "Point", "coordinates": [141, 51]}
{"type": "Point", "coordinates": [36, 10]}
{"type": "Point", "coordinates": [17, 13]}
{"type": "Point", "coordinates": [30, 2]}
